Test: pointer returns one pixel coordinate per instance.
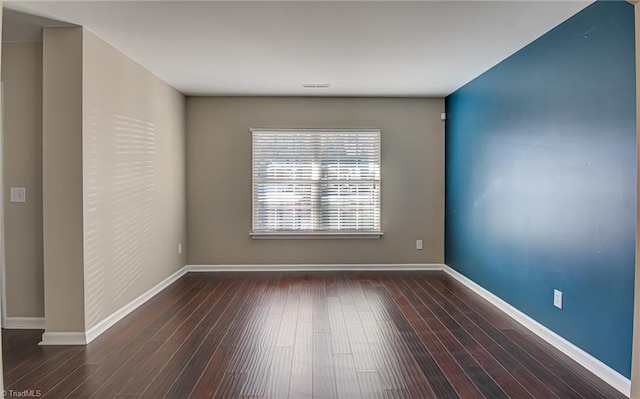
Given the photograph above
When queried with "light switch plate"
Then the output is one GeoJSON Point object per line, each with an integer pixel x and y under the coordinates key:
{"type": "Point", "coordinates": [18, 194]}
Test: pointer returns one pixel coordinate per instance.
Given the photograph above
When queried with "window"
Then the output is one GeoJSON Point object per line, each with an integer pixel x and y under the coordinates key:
{"type": "Point", "coordinates": [316, 182]}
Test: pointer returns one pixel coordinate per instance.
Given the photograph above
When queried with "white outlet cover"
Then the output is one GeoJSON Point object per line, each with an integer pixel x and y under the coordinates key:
{"type": "Point", "coordinates": [557, 299]}
{"type": "Point", "coordinates": [418, 244]}
{"type": "Point", "coordinates": [18, 194]}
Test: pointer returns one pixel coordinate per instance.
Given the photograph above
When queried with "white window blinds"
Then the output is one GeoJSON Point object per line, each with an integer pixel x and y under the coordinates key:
{"type": "Point", "coordinates": [316, 181]}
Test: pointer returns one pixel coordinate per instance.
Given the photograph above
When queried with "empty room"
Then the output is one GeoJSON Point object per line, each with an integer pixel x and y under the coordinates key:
{"type": "Point", "coordinates": [319, 199]}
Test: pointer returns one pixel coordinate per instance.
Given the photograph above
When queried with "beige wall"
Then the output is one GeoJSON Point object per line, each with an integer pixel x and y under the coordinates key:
{"type": "Point", "coordinates": [62, 180]}
{"type": "Point", "coordinates": [22, 79]}
{"type": "Point", "coordinates": [114, 179]}
{"type": "Point", "coordinates": [134, 179]}
{"type": "Point", "coordinates": [219, 179]}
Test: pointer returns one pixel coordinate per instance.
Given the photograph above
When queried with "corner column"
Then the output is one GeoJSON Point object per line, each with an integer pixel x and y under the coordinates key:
{"type": "Point", "coordinates": [62, 187]}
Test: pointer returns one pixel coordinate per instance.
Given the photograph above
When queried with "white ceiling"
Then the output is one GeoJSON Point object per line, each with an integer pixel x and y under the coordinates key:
{"type": "Point", "coordinates": [362, 48]}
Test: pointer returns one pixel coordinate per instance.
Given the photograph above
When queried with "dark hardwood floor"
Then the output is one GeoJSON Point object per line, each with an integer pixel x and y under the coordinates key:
{"type": "Point", "coordinates": [322, 335]}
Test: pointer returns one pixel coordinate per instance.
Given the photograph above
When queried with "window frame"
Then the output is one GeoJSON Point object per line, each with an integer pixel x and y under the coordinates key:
{"type": "Point", "coordinates": [319, 234]}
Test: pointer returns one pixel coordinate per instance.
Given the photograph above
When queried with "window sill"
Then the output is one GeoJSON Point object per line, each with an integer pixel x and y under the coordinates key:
{"type": "Point", "coordinates": [316, 236]}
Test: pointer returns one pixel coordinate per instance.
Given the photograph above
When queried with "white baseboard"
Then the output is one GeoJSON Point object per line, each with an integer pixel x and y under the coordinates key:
{"type": "Point", "coordinates": [118, 315]}
{"type": "Point", "coordinates": [315, 267]}
{"type": "Point", "coordinates": [23, 323]}
{"type": "Point", "coordinates": [83, 338]}
{"type": "Point", "coordinates": [63, 338]}
{"type": "Point", "coordinates": [606, 373]}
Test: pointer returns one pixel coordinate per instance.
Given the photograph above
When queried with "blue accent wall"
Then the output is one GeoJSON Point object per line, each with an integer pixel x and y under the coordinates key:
{"type": "Point", "coordinates": [541, 180]}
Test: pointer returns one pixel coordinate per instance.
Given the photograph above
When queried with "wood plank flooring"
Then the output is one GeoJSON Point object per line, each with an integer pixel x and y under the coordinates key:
{"type": "Point", "coordinates": [302, 335]}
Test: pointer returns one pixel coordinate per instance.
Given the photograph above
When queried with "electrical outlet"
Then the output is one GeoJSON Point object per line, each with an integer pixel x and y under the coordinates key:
{"type": "Point", "coordinates": [180, 249]}
{"type": "Point", "coordinates": [418, 244]}
{"type": "Point", "coordinates": [557, 299]}
{"type": "Point", "coordinates": [18, 194]}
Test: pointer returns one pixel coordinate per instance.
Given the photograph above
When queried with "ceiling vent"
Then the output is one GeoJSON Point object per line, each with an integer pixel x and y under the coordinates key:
{"type": "Point", "coordinates": [316, 85]}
